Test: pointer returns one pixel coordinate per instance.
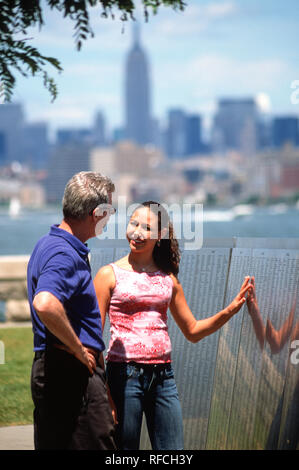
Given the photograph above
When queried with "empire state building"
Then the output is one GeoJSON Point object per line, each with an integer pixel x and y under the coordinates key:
{"type": "Point", "coordinates": [137, 94]}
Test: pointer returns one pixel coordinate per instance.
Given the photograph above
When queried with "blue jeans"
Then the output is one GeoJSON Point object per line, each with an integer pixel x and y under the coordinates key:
{"type": "Point", "coordinates": [149, 389]}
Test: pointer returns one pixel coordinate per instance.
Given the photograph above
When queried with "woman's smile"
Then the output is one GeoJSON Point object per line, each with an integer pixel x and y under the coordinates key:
{"type": "Point", "coordinates": [136, 242]}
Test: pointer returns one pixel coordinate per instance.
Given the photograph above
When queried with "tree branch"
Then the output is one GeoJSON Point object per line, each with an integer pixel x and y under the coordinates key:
{"type": "Point", "coordinates": [16, 16]}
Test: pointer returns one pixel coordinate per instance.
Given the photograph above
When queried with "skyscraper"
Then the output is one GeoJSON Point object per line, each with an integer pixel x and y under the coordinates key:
{"type": "Point", "coordinates": [99, 129]}
{"type": "Point", "coordinates": [137, 94]}
{"type": "Point", "coordinates": [11, 133]}
{"type": "Point", "coordinates": [285, 129]}
{"type": "Point", "coordinates": [36, 145]}
{"type": "Point", "coordinates": [176, 134]}
{"type": "Point", "coordinates": [235, 125]}
{"type": "Point", "coordinates": [183, 134]}
{"type": "Point", "coordinates": [193, 134]}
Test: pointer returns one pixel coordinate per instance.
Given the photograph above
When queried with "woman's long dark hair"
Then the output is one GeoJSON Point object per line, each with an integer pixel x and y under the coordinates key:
{"type": "Point", "coordinates": [166, 254]}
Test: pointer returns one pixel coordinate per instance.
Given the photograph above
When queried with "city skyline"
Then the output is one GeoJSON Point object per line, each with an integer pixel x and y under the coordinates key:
{"type": "Point", "coordinates": [212, 50]}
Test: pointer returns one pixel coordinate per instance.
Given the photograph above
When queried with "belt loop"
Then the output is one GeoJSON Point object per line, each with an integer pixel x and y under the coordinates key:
{"type": "Point", "coordinates": [39, 354]}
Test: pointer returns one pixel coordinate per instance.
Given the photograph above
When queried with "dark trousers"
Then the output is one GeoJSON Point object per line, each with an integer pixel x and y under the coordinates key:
{"type": "Point", "coordinates": [71, 407]}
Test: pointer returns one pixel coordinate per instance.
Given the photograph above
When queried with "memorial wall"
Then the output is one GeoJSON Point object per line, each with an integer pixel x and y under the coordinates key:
{"type": "Point", "coordinates": [239, 388]}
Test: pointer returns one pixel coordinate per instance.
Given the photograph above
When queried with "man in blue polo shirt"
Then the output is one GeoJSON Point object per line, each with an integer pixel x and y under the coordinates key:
{"type": "Point", "coordinates": [72, 409]}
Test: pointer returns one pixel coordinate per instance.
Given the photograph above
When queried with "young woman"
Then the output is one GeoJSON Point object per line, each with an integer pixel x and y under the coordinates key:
{"type": "Point", "coordinates": [136, 292]}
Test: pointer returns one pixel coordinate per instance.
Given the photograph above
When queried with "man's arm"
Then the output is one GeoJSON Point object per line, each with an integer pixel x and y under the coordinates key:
{"type": "Point", "coordinates": [51, 312]}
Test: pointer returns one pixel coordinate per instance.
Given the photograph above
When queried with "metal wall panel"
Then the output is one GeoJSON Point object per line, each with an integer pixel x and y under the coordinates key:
{"type": "Point", "coordinates": [204, 277]}
{"type": "Point", "coordinates": [276, 296]}
{"type": "Point", "coordinates": [250, 379]}
{"type": "Point", "coordinates": [221, 413]}
{"type": "Point", "coordinates": [248, 369]}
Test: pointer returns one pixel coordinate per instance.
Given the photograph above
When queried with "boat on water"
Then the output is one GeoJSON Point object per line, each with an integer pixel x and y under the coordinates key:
{"type": "Point", "coordinates": [242, 210]}
{"type": "Point", "coordinates": [14, 207]}
{"type": "Point", "coordinates": [227, 215]}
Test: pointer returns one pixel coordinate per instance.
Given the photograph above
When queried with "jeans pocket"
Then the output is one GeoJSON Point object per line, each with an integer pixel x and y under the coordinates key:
{"type": "Point", "coordinates": [168, 373]}
{"type": "Point", "coordinates": [132, 371]}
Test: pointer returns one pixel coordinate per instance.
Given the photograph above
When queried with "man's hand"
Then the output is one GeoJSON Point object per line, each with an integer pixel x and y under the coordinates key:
{"type": "Point", "coordinates": [112, 405]}
{"type": "Point", "coordinates": [87, 358]}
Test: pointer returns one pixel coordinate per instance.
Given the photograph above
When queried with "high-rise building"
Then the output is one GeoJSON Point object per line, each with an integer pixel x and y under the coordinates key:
{"type": "Point", "coordinates": [137, 94]}
{"type": "Point", "coordinates": [285, 130]}
{"type": "Point", "coordinates": [11, 133]}
{"type": "Point", "coordinates": [183, 135]}
{"type": "Point", "coordinates": [36, 145]}
{"type": "Point", "coordinates": [99, 137]}
{"type": "Point", "coordinates": [64, 162]}
{"type": "Point", "coordinates": [264, 132]}
{"type": "Point", "coordinates": [73, 136]}
{"type": "Point", "coordinates": [176, 134]}
{"type": "Point", "coordinates": [235, 125]}
{"type": "Point", "coordinates": [193, 134]}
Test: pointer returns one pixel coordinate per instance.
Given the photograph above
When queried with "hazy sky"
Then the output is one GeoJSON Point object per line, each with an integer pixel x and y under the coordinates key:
{"type": "Point", "coordinates": [215, 48]}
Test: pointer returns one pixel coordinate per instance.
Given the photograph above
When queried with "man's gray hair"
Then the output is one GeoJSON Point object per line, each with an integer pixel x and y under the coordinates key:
{"type": "Point", "coordinates": [84, 192]}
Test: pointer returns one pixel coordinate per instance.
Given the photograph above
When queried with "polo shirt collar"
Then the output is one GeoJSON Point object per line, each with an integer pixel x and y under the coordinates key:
{"type": "Point", "coordinates": [79, 246]}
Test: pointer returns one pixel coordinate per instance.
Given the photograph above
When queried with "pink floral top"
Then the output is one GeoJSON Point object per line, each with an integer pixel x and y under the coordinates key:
{"type": "Point", "coordinates": [138, 317]}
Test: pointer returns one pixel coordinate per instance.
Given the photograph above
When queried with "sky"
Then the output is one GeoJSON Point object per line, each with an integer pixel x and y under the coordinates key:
{"type": "Point", "coordinates": [213, 49]}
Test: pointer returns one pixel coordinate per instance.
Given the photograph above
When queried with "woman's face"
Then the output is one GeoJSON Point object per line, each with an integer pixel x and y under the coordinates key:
{"type": "Point", "coordinates": [142, 230]}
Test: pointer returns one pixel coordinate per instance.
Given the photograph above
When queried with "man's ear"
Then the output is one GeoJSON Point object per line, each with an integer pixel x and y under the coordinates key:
{"type": "Point", "coordinates": [99, 212]}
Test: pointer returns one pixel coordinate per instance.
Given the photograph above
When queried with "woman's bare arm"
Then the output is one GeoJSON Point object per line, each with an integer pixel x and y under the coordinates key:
{"type": "Point", "coordinates": [104, 283]}
{"type": "Point", "coordinates": [194, 330]}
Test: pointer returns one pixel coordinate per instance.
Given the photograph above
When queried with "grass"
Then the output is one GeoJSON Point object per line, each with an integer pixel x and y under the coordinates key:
{"type": "Point", "coordinates": [16, 405]}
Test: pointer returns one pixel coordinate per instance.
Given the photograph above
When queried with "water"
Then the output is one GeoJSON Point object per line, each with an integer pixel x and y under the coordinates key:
{"type": "Point", "coordinates": [18, 235]}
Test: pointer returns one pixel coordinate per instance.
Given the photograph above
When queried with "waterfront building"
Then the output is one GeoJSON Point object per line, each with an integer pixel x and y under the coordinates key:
{"type": "Point", "coordinates": [130, 166]}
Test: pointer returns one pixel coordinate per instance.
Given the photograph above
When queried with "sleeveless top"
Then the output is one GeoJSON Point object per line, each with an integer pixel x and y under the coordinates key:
{"type": "Point", "coordinates": [138, 317]}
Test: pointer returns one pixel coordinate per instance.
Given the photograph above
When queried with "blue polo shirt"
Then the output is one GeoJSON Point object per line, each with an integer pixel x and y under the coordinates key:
{"type": "Point", "coordinates": [59, 264]}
